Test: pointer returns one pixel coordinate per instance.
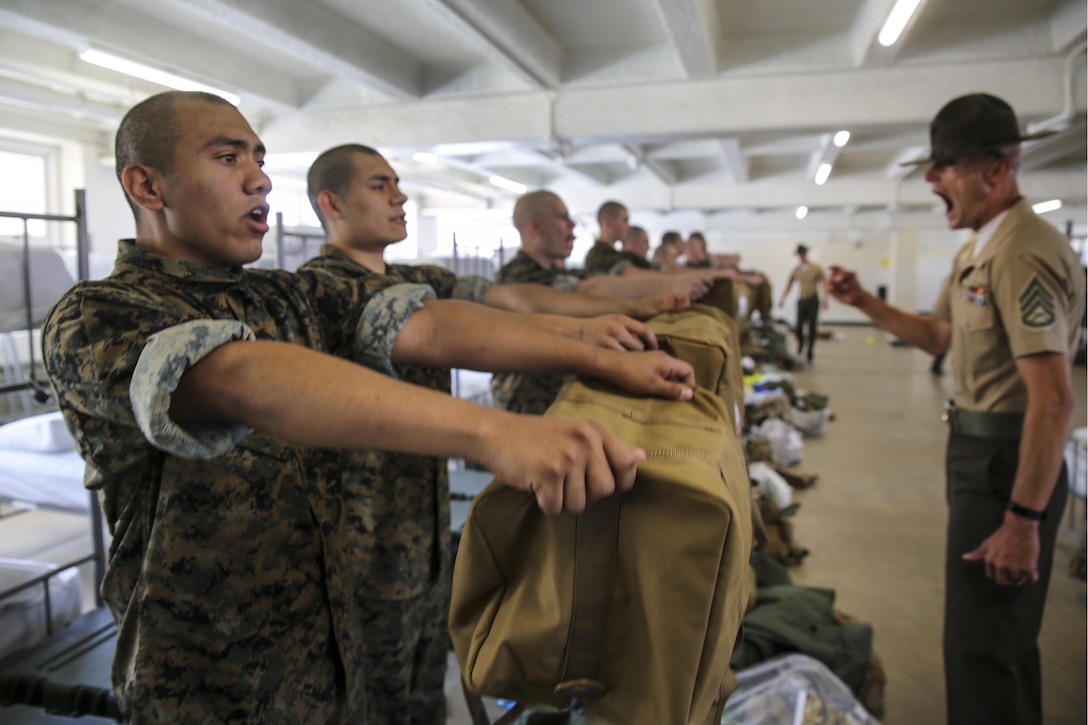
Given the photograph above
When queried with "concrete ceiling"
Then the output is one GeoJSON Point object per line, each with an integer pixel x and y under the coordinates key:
{"type": "Point", "coordinates": [719, 106]}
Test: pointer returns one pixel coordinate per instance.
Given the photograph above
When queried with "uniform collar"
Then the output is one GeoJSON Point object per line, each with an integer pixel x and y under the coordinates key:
{"type": "Point", "coordinates": [128, 253]}
{"type": "Point", "coordinates": [993, 233]}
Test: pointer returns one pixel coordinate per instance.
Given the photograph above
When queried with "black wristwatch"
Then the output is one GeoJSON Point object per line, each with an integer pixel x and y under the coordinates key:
{"type": "Point", "coordinates": [1025, 513]}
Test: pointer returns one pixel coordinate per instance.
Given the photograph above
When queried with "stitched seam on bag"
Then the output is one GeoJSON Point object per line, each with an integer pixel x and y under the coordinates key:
{"type": "Point", "coordinates": [642, 417]}
{"type": "Point", "coordinates": [683, 453]}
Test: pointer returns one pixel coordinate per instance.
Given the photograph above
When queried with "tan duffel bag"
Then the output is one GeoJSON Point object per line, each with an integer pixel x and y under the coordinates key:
{"type": "Point", "coordinates": [708, 340]}
{"type": "Point", "coordinates": [632, 607]}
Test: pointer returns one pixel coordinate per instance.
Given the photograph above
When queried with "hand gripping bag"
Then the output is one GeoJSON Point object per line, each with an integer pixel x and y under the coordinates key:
{"type": "Point", "coordinates": [634, 606]}
{"type": "Point", "coordinates": [708, 340]}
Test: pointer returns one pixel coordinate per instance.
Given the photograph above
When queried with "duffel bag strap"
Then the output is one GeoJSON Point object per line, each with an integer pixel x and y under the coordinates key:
{"type": "Point", "coordinates": [596, 550]}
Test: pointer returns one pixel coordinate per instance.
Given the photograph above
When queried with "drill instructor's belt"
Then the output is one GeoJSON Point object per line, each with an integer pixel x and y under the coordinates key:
{"type": "Point", "coordinates": [983, 425]}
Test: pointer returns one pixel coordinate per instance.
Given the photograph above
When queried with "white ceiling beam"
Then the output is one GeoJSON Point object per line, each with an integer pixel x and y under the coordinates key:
{"type": "Point", "coordinates": [38, 98]}
{"type": "Point", "coordinates": [322, 38]}
{"type": "Point", "coordinates": [559, 161]}
{"type": "Point", "coordinates": [111, 27]}
{"type": "Point", "coordinates": [831, 100]}
{"type": "Point", "coordinates": [509, 35]}
{"type": "Point", "coordinates": [835, 194]}
{"type": "Point", "coordinates": [735, 163]}
{"type": "Point", "coordinates": [19, 122]}
{"type": "Point", "coordinates": [1067, 24]}
{"type": "Point", "coordinates": [661, 170]}
{"type": "Point", "coordinates": [876, 98]}
{"type": "Point", "coordinates": [692, 29]}
{"type": "Point", "coordinates": [864, 45]}
{"type": "Point", "coordinates": [1037, 154]}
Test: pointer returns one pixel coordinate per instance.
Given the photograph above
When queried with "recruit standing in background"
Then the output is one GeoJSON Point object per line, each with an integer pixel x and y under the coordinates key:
{"type": "Point", "coordinates": [1010, 313]}
{"type": "Point", "coordinates": [808, 276]}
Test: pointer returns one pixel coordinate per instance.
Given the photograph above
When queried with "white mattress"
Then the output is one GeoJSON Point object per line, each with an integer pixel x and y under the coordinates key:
{"type": "Point", "coordinates": [43, 479]}
{"type": "Point", "coordinates": [39, 464]}
{"type": "Point", "coordinates": [22, 615]}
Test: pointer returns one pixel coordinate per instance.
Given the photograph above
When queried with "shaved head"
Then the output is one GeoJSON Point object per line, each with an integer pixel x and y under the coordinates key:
{"type": "Point", "coordinates": [532, 206]}
{"type": "Point", "coordinates": [149, 132]}
{"type": "Point", "coordinates": [334, 171]}
{"type": "Point", "coordinates": [610, 210]}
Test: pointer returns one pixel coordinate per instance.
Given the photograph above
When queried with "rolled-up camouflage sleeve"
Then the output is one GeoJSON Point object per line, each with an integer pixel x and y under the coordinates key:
{"type": "Point", "coordinates": [619, 267]}
{"type": "Point", "coordinates": [165, 358]}
{"type": "Point", "coordinates": [382, 321]}
{"type": "Point", "coordinates": [472, 288]}
{"type": "Point", "coordinates": [565, 282]}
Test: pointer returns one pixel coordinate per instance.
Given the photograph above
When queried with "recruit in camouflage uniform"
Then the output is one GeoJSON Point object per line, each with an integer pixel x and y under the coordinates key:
{"type": "Point", "coordinates": [398, 506]}
{"type": "Point", "coordinates": [524, 392]}
{"type": "Point", "coordinates": [228, 575]}
{"type": "Point", "coordinates": [604, 259]}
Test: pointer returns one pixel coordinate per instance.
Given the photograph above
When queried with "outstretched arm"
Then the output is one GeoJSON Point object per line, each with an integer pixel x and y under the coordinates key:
{"type": "Point", "coordinates": [616, 332]}
{"type": "Point", "coordinates": [453, 334]}
{"type": "Point", "coordinates": [528, 298]}
{"type": "Point", "coordinates": [929, 333]}
{"type": "Point", "coordinates": [691, 284]}
{"type": "Point", "coordinates": [308, 398]}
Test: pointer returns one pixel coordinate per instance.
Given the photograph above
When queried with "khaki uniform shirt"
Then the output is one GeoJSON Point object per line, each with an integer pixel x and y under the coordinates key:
{"type": "Point", "coordinates": [523, 392]}
{"type": "Point", "coordinates": [398, 504]}
{"type": "Point", "coordinates": [809, 276]}
{"type": "Point", "coordinates": [604, 259]}
{"type": "Point", "coordinates": [1023, 295]}
{"type": "Point", "coordinates": [228, 571]}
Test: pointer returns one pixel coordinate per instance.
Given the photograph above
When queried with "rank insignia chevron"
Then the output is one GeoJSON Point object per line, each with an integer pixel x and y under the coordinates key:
{"type": "Point", "coordinates": [1036, 305]}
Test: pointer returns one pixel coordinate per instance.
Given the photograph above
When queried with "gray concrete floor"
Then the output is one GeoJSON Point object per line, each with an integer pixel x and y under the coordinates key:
{"type": "Point", "coordinates": [875, 520]}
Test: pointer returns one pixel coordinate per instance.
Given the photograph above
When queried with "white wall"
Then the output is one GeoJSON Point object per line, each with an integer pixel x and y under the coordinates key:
{"type": "Point", "coordinates": [108, 215]}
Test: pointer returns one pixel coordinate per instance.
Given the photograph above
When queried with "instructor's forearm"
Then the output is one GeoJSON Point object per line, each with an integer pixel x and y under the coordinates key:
{"type": "Point", "coordinates": [922, 331]}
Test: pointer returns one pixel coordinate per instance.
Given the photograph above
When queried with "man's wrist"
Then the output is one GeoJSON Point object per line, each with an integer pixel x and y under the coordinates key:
{"type": "Point", "coordinates": [1024, 513]}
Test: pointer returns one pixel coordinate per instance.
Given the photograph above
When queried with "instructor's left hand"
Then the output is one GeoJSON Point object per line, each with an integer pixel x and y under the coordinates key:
{"type": "Point", "coordinates": [1010, 554]}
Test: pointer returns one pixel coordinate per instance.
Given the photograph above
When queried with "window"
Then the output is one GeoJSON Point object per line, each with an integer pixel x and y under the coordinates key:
{"type": "Point", "coordinates": [23, 188]}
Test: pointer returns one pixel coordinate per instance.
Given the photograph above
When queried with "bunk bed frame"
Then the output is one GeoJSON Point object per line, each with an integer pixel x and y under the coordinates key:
{"type": "Point", "coordinates": [68, 672]}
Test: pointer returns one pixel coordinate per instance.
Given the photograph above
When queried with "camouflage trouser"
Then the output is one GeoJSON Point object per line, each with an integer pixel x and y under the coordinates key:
{"type": "Point", "coordinates": [407, 642]}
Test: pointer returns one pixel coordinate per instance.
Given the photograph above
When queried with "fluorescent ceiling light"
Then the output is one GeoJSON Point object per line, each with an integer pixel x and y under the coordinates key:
{"type": "Point", "coordinates": [841, 138]}
{"type": "Point", "coordinates": [802, 212]}
{"type": "Point", "coordinates": [138, 70]}
{"type": "Point", "coordinates": [822, 173]}
{"type": "Point", "coordinates": [504, 183]}
{"type": "Point", "coordinates": [897, 20]}
{"type": "Point", "coordinates": [425, 158]}
{"type": "Point", "coordinates": [1044, 206]}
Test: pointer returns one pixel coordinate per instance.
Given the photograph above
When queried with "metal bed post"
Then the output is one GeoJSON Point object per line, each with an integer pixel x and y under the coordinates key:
{"type": "Point", "coordinates": [40, 394]}
{"type": "Point", "coordinates": [280, 257]}
{"type": "Point", "coordinates": [455, 381]}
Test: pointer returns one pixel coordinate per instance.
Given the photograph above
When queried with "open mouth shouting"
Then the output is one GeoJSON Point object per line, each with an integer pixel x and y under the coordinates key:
{"type": "Point", "coordinates": [258, 218]}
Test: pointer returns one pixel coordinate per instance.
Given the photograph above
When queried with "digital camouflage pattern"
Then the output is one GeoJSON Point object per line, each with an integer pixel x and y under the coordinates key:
{"type": "Point", "coordinates": [635, 260]}
{"type": "Point", "coordinates": [228, 576]}
{"type": "Point", "coordinates": [522, 392]}
{"type": "Point", "coordinates": [603, 259]}
{"type": "Point", "coordinates": [523, 268]}
{"type": "Point", "coordinates": [398, 506]}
